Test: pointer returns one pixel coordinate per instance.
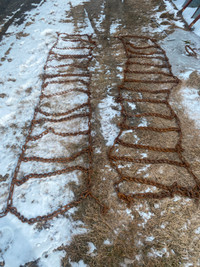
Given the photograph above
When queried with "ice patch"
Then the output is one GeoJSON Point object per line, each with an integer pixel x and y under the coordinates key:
{"type": "Point", "coordinates": [145, 215]}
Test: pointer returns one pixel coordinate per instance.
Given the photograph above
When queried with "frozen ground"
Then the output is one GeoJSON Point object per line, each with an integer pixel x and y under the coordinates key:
{"type": "Point", "coordinates": [25, 49]}
{"type": "Point", "coordinates": [183, 65]}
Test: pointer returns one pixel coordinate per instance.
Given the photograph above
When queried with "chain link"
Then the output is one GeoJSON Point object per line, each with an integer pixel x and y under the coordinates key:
{"type": "Point", "coordinates": [49, 117]}
{"type": "Point", "coordinates": [132, 53]}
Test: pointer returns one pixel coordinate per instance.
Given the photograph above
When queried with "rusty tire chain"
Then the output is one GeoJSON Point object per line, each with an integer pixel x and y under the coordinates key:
{"type": "Point", "coordinates": [190, 51]}
{"type": "Point", "coordinates": [132, 51]}
{"type": "Point", "coordinates": [85, 42]}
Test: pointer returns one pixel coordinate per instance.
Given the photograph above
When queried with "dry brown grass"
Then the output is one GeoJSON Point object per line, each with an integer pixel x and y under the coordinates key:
{"type": "Point", "coordinates": [149, 232]}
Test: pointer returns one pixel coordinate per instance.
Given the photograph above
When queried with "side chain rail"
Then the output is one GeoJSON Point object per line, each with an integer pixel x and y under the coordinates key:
{"type": "Point", "coordinates": [66, 72]}
{"type": "Point", "coordinates": [148, 80]}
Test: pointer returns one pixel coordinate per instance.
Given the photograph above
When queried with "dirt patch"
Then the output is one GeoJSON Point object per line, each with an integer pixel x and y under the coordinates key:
{"type": "Point", "coordinates": [4, 178]}
{"type": "Point", "coordinates": [194, 80]}
{"type": "Point", "coordinates": [3, 95]}
{"type": "Point", "coordinates": [21, 34]}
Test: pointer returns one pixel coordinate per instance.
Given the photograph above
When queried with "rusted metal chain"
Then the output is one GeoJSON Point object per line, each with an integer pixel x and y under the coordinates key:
{"type": "Point", "coordinates": [138, 55]}
{"type": "Point", "coordinates": [68, 77]}
{"type": "Point", "coordinates": [190, 51]}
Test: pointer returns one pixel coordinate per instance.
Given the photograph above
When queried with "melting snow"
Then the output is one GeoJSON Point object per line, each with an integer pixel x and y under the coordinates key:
{"type": "Point", "coordinates": [143, 123]}
{"type": "Point", "coordinates": [132, 105]}
{"type": "Point", "coordinates": [174, 45]}
{"type": "Point", "coordinates": [150, 238]}
{"type": "Point", "coordinates": [91, 248]}
{"type": "Point", "coordinates": [21, 84]}
{"type": "Point", "coordinates": [107, 242]}
{"type": "Point", "coordinates": [78, 264]}
{"type": "Point", "coordinates": [107, 113]}
{"type": "Point", "coordinates": [191, 103]}
{"type": "Point", "coordinates": [197, 231]}
{"type": "Point", "coordinates": [158, 253]}
{"type": "Point", "coordinates": [113, 27]}
{"type": "Point", "coordinates": [162, 226]}
{"type": "Point", "coordinates": [128, 211]}
{"type": "Point", "coordinates": [156, 206]}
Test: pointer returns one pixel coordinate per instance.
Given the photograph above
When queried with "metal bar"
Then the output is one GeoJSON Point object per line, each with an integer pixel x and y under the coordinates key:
{"type": "Point", "coordinates": [186, 5]}
{"type": "Point", "coordinates": [194, 21]}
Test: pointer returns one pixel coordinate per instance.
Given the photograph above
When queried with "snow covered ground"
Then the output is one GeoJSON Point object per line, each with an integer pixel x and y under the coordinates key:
{"type": "Point", "coordinates": [25, 49]}
{"type": "Point", "coordinates": [182, 64]}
